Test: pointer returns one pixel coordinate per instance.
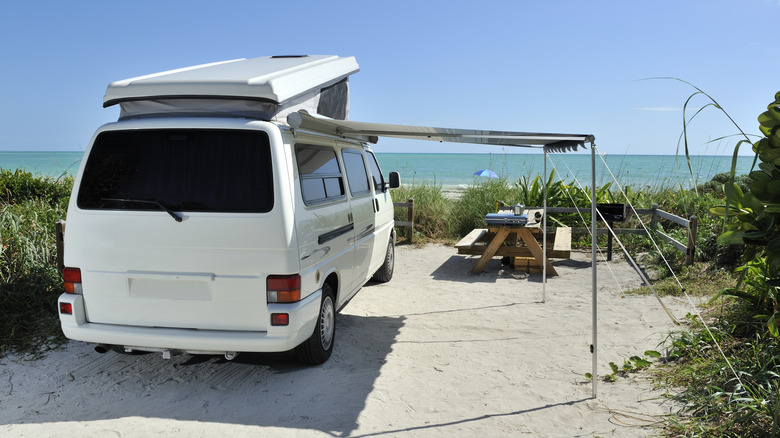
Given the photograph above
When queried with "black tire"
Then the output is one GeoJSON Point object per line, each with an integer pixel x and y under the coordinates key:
{"type": "Point", "coordinates": [385, 273]}
{"type": "Point", "coordinates": [319, 346]}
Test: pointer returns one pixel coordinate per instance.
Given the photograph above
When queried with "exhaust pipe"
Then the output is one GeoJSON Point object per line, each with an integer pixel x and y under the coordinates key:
{"type": "Point", "coordinates": [230, 355]}
{"type": "Point", "coordinates": [102, 348]}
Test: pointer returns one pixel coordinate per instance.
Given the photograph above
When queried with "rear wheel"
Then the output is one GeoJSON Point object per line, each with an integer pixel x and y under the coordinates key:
{"type": "Point", "coordinates": [318, 347]}
{"type": "Point", "coordinates": [385, 273]}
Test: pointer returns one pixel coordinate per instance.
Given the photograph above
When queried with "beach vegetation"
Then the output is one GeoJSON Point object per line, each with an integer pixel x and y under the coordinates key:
{"type": "Point", "coordinates": [19, 186]}
{"type": "Point", "coordinates": [432, 210]}
{"type": "Point", "coordinates": [29, 279]}
{"type": "Point", "coordinates": [631, 365]}
{"type": "Point", "coordinates": [476, 201]}
{"type": "Point", "coordinates": [724, 376]}
{"type": "Point", "coordinates": [725, 370]}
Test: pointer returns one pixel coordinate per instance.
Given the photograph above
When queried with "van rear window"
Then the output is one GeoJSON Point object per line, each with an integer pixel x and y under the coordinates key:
{"type": "Point", "coordinates": [196, 170]}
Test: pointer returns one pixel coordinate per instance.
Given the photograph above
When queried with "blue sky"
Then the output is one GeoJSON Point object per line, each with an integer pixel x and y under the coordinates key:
{"type": "Point", "coordinates": [564, 66]}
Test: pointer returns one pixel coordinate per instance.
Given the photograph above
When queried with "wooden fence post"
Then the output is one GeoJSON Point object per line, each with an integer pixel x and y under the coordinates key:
{"type": "Point", "coordinates": [59, 232]}
{"type": "Point", "coordinates": [410, 219]}
{"type": "Point", "coordinates": [654, 218]}
{"type": "Point", "coordinates": [409, 206]}
{"type": "Point", "coordinates": [692, 234]}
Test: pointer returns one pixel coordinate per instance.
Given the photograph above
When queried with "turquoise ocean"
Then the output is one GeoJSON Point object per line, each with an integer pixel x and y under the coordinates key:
{"type": "Point", "coordinates": [457, 170]}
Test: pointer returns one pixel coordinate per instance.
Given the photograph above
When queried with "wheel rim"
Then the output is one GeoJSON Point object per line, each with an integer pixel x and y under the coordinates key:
{"type": "Point", "coordinates": [390, 257]}
{"type": "Point", "coordinates": [327, 323]}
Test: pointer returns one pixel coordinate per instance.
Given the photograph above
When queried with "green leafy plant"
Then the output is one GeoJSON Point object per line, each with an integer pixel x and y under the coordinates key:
{"type": "Point", "coordinates": [753, 218]}
{"type": "Point", "coordinates": [760, 290]}
{"type": "Point", "coordinates": [630, 365]}
{"type": "Point", "coordinates": [730, 369]}
{"type": "Point", "coordinates": [714, 401]}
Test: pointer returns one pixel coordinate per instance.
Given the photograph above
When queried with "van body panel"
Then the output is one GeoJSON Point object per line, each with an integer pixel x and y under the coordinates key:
{"type": "Point", "coordinates": [383, 214]}
{"type": "Point", "coordinates": [143, 268]}
{"type": "Point", "coordinates": [183, 209]}
{"type": "Point", "coordinates": [364, 238]}
{"type": "Point", "coordinates": [303, 318]}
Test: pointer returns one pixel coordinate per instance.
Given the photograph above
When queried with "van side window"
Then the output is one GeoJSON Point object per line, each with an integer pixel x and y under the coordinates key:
{"type": "Point", "coordinates": [321, 179]}
{"type": "Point", "coordinates": [376, 174]}
{"type": "Point", "coordinates": [356, 172]}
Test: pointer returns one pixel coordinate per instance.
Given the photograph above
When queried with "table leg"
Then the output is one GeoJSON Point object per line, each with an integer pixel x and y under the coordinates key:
{"type": "Point", "coordinates": [536, 250]}
{"type": "Point", "coordinates": [490, 250]}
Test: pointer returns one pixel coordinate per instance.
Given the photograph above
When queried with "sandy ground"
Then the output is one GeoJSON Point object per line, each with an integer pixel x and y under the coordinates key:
{"type": "Point", "coordinates": [435, 352]}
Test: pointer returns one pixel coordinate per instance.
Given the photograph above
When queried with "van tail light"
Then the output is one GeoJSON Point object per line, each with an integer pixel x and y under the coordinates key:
{"type": "Point", "coordinates": [72, 278]}
{"type": "Point", "coordinates": [280, 319]}
{"type": "Point", "coordinates": [283, 288]}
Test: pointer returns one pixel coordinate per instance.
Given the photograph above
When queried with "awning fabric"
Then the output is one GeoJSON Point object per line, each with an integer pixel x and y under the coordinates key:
{"type": "Point", "coordinates": [367, 131]}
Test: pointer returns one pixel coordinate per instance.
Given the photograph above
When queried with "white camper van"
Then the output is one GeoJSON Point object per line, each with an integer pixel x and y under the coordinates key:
{"type": "Point", "coordinates": [202, 222]}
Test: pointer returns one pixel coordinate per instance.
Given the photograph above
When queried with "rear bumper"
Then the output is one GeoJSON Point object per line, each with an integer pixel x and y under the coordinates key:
{"type": "Point", "coordinates": [303, 319]}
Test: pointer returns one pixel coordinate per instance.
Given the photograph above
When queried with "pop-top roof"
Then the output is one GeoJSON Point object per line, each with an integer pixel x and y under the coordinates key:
{"type": "Point", "coordinates": [276, 79]}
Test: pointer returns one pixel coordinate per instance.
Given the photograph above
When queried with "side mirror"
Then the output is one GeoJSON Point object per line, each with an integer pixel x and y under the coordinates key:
{"type": "Point", "coordinates": [395, 180]}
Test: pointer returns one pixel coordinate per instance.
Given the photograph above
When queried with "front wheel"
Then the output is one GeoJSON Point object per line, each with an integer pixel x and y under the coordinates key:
{"type": "Point", "coordinates": [319, 346]}
{"type": "Point", "coordinates": [385, 272]}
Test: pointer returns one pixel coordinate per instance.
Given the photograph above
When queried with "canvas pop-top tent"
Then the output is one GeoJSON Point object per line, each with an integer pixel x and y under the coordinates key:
{"type": "Point", "coordinates": [311, 93]}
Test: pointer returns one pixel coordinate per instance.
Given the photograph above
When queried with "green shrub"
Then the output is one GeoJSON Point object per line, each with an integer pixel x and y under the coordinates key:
{"type": "Point", "coordinates": [29, 279]}
{"type": "Point", "coordinates": [478, 200]}
{"type": "Point", "coordinates": [715, 185]}
{"type": "Point", "coordinates": [431, 211]}
{"type": "Point", "coordinates": [19, 185]}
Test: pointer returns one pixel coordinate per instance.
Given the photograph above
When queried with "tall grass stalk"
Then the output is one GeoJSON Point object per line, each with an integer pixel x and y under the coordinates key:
{"type": "Point", "coordinates": [431, 210]}
{"type": "Point", "coordinates": [478, 200]}
{"type": "Point", "coordinates": [29, 279]}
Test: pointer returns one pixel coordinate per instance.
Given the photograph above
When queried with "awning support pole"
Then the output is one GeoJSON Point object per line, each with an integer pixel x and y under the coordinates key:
{"type": "Point", "coordinates": [544, 230]}
{"type": "Point", "coordinates": [593, 247]}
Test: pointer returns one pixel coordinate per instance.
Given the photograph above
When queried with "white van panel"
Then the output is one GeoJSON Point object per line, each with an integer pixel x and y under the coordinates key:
{"type": "Point", "coordinates": [194, 274]}
{"type": "Point", "coordinates": [303, 316]}
{"type": "Point", "coordinates": [208, 272]}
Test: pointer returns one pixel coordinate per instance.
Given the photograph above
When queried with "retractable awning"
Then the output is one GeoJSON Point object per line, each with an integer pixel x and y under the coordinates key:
{"type": "Point", "coordinates": [367, 131]}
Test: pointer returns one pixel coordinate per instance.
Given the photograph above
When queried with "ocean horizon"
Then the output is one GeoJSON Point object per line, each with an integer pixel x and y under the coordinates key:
{"type": "Point", "coordinates": [456, 170]}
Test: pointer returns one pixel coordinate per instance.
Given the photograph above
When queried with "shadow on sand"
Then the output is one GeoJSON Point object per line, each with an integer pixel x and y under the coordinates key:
{"type": "Point", "coordinates": [267, 390]}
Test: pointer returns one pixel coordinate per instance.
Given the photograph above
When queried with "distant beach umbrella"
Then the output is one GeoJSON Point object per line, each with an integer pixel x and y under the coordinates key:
{"type": "Point", "coordinates": [486, 173]}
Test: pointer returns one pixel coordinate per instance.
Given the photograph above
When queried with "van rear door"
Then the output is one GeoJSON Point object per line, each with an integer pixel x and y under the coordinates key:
{"type": "Point", "coordinates": [179, 228]}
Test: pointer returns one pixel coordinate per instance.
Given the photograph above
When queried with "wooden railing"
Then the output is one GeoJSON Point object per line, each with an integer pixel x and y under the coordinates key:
{"type": "Point", "coordinates": [409, 222]}
{"type": "Point", "coordinates": [690, 224]}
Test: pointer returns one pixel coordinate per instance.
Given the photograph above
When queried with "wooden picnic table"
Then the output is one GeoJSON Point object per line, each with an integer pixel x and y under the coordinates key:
{"type": "Point", "coordinates": [505, 242]}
